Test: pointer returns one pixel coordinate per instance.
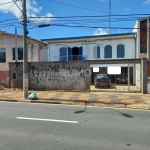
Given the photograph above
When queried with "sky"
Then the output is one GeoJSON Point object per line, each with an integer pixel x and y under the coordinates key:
{"type": "Point", "coordinates": [72, 18]}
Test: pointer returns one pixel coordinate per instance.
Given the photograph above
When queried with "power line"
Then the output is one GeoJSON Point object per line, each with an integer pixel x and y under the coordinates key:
{"type": "Point", "coordinates": [83, 26]}
{"type": "Point", "coordinates": [77, 6]}
{"type": "Point", "coordinates": [18, 6]}
{"type": "Point", "coordinates": [8, 2]}
{"type": "Point", "coordinates": [92, 16]}
{"type": "Point", "coordinates": [91, 26]}
{"type": "Point", "coordinates": [5, 3]}
{"type": "Point", "coordinates": [6, 10]}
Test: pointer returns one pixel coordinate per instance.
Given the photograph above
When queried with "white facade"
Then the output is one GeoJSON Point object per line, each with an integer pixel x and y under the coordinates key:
{"type": "Point", "coordinates": [88, 44]}
{"type": "Point", "coordinates": [128, 40]}
{"type": "Point", "coordinates": [136, 30]}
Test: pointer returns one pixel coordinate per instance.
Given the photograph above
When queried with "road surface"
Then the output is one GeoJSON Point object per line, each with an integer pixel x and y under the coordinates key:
{"type": "Point", "coordinates": [26, 126]}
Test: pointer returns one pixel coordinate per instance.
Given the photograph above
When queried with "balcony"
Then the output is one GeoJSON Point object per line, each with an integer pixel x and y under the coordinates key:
{"type": "Point", "coordinates": [70, 58]}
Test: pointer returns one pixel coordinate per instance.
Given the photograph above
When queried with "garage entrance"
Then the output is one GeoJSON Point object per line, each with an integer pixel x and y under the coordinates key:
{"type": "Point", "coordinates": [125, 80]}
{"type": "Point", "coordinates": [117, 75]}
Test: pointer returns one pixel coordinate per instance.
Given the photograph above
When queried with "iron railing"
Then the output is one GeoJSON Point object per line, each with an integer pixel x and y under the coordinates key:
{"type": "Point", "coordinates": [70, 58]}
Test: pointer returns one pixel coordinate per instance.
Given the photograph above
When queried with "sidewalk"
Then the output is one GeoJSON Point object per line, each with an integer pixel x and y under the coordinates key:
{"type": "Point", "coordinates": [101, 99]}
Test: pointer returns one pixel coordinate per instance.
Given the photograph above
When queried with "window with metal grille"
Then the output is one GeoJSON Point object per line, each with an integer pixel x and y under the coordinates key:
{"type": "Point", "coordinates": [108, 51]}
{"type": "Point", "coordinates": [96, 52]}
{"type": "Point", "coordinates": [120, 51]}
{"type": "Point", "coordinates": [63, 54]}
{"type": "Point", "coordinates": [20, 53]}
{"type": "Point", "coordinates": [2, 55]}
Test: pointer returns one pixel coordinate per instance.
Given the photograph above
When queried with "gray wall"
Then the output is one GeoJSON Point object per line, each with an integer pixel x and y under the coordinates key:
{"type": "Point", "coordinates": [53, 76]}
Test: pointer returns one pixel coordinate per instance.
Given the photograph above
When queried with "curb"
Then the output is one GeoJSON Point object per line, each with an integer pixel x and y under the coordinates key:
{"type": "Point", "coordinates": [84, 103]}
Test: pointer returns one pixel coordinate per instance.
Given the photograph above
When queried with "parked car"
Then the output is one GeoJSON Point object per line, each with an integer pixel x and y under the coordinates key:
{"type": "Point", "coordinates": [122, 80]}
{"type": "Point", "coordinates": [102, 80]}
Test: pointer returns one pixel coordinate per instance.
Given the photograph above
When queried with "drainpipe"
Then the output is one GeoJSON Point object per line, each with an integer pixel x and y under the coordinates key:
{"type": "Point", "coordinates": [39, 52]}
{"type": "Point", "coordinates": [87, 46]}
{"type": "Point", "coordinates": [48, 51]}
{"type": "Point", "coordinates": [135, 45]}
{"type": "Point", "coordinates": [128, 77]}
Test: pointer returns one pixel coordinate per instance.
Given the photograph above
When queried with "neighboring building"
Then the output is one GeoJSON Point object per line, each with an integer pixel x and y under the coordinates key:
{"type": "Point", "coordinates": [141, 43]}
{"type": "Point", "coordinates": [37, 51]}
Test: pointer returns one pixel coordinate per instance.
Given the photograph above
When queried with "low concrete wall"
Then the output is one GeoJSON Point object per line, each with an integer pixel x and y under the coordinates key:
{"type": "Point", "coordinates": [59, 76]}
{"type": "Point", "coordinates": [53, 76]}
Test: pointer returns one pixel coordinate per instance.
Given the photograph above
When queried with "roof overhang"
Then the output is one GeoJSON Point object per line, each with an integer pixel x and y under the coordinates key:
{"type": "Point", "coordinates": [91, 38]}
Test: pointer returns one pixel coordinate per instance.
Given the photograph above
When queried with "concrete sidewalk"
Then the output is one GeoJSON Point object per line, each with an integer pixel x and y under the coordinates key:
{"type": "Point", "coordinates": [101, 99]}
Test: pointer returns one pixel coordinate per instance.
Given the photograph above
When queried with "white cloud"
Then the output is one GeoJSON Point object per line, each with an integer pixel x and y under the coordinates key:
{"type": "Point", "coordinates": [32, 10]}
{"type": "Point", "coordinates": [101, 31]}
{"type": "Point", "coordinates": [147, 1]}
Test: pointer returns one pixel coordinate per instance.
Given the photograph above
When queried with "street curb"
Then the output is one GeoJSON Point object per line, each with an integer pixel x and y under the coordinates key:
{"type": "Point", "coordinates": [84, 103]}
{"type": "Point", "coordinates": [63, 100]}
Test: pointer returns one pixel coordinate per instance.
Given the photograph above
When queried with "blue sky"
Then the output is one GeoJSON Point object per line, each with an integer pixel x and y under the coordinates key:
{"type": "Point", "coordinates": [99, 23]}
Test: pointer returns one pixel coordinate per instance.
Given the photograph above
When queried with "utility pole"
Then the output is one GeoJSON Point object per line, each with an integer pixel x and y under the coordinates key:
{"type": "Point", "coordinates": [16, 49]}
{"type": "Point", "coordinates": [109, 14]}
{"type": "Point", "coordinates": [148, 40]}
{"type": "Point", "coordinates": [25, 53]}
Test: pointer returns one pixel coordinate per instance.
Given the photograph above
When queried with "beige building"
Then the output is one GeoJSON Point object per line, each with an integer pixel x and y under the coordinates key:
{"type": "Point", "coordinates": [37, 52]}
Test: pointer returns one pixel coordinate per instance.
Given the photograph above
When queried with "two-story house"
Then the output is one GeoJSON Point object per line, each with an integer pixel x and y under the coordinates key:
{"type": "Point", "coordinates": [99, 47]}
{"type": "Point", "coordinates": [37, 51]}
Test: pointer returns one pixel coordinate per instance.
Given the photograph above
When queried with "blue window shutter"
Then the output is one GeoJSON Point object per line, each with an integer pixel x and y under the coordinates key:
{"type": "Point", "coordinates": [108, 51]}
{"type": "Point", "coordinates": [63, 54]}
{"type": "Point", "coordinates": [69, 53]}
{"type": "Point", "coordinates": [98, 52]}
{"type": "Point", "coordinates": [80, 53]}
{"type": "Point", "coordinates": [120, 51]}
{"type": "Point", "coordinates": [13, 52]}
{"type": "Point", "coordinates": [2, 55]}
{"type": "Point", "coordinates": [94, 52]}
{"type": "Point", "coordinates": [20, 53]}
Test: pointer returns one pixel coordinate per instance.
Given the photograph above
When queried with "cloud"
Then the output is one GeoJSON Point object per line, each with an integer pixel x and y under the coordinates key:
{"type": "Point", "coordinates": [101, 31]}
{"type": "Point", "coordinates": [32, 10]}
{"type": "Point", "coordinates": [147, 1]}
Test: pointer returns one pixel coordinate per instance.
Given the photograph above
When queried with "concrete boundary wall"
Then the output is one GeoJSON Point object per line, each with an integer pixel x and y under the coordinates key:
{"type": "Point", "coordinates": [52, 76]}
{"type": "Point", "coordinates": [71, 75]}
{"type": "Point", "coordinates": [59, 76]}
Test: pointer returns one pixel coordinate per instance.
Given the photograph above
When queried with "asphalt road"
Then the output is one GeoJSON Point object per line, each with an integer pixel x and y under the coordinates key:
{"type": "Point", "coordinates": [25, 126]}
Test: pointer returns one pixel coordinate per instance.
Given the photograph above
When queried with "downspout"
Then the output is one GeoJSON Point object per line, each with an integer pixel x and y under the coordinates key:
{"type": "Point", "coordinates": [87, 47]}
{"type": "Point", "coordinates": [135, 45]}
{"type": "Point", "coordinates": [38, 52]}
{"type": "Point", "coordinates": [48, 51]}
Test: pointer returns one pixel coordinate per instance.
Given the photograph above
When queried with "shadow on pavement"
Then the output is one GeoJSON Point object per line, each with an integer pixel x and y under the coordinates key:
{"type": "Point", "coordinates": [81, 111]}
{"type": "Point", "coordinates": [123, 114]}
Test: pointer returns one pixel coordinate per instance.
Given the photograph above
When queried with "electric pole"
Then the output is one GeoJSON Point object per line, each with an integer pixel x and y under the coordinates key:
{"type": "Point", "coordinates": [109, 13]}
{"type": "Point", "coordinates": [148, 40]}
{"type": "Point", "coordinates": [16, 49]}
{"type": "Point", "coordinates": [25, 53]}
